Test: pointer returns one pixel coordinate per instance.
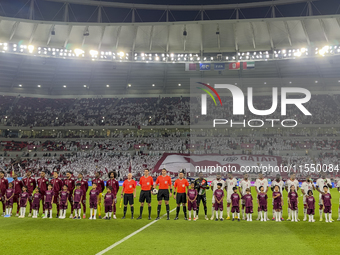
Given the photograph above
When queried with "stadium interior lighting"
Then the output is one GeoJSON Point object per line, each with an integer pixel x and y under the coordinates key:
{"type": "Point", "coordinates": [78, 52]}
{"type": "Point", "coordinates": [39, 86]}
{"type": "Point", "coordinates": [30, 48]}
{"type": "Point", "coordinates": [84, 86]}
{"type": "Point", "coordinates": [107, 85]}
{"type": "Point", "coordinates": [64, 86]}
{"type": "Point", "coordinates": [153, 85]}
{"type": "Point", "coordinates": [94, 53]}
{"type": "Point", "coordinates": [20, 85]}
{"type": "Point", "coordinates": [129, 85]}
{"type": "Point", "coordinates": [179, 84]}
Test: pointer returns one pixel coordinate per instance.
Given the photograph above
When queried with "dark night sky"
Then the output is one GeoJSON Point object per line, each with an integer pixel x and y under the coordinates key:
{"type": "Point", "coordinates": [46, 10]}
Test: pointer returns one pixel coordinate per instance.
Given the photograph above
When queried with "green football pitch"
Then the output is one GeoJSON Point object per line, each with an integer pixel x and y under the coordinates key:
{"type": "Point", "coordinates": [68, 236]}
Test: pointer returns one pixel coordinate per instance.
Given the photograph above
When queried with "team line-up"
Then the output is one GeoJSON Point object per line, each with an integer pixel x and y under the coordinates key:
{"type": "Point", "coordinates": [190, 196]}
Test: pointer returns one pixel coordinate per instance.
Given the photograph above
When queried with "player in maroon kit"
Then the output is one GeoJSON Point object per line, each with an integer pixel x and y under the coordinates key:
{"type": "Point", "coordinates": [235, 202]}
{"type": "Point", "coordinates": [49, 197]}
{"type": "Point", "coordinates": [327, 204]}
{"type": "Point", "coordinates": [84, 186]}
{"type": "Point", "coordinates": [310, 206]}
{"type": "Point", "coordinates": [42, 184]}
{"type": "Point", "coordinates": [248, 203]}
{"type": "Point", "coordinates": [115, 188]}
{"type": "Point", "coordinates": [36, 202]}
{"type": "Point", "coordinates": [63, 196]}
{"type": "Point", "coordinates": [23, 198]}
{"type": "Point", "coordinates": [293, 203]}
{"type": "Point", "coordinates": [70, 183]}
{"type": "Point", "coordinates": [3, 187]}
{"type": "Point", "coordinates": [94, 194]}
{"type": "Point", "coordinates": [100, 187]}
{"type": "Point", "coordinates": [218, 205]}
{"type": "Point", "coordinates": [17, 186]}
{"type": "Point", "coordinates": [57, 186]}
{"type": "Point", "coordinates": [277, 203]}
{"type": "Point", "coordinates": [9, 194]}
{"type": "Point", "coordinates": [78, 194]}
{"type": "Point", "coordinates": [30, 183]}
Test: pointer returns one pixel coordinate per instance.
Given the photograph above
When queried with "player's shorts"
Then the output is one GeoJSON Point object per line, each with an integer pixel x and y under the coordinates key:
{"type": "Point", "coordinates": [192, 206]}
{"type": "Point", "coordinates": [293, 205]}
{"type": "Point", "coordinates": [9, 202]}
{"type": "Point", "coordinates": [181, 198]}
{"type": "Point", "coordinates": [128, 199]}
{"type": "Point", "coordinates": [277, 206]}
{"type": "Point", "coordinates": [327, 209]}
{"type": "Point", "coordinates": [263, 208]}
{"type": "Point", "coordinates": [15, 198]}
{"type": "Point", "coordinates": [145, 196]}
{"type": "Point", "coordinates": [108, 208]}
{"type": "Point", "coordinates": [93, 204]}
{"type": "Point", "coordinates": [22, 203]}
{"type": "Point", "coordinates": [36, 206]}
{"type": "Point", "coordinates": [76, 205]}
{"type": "Point", "coordinates": [218, 206]}
{"type": "Point", "coordinates": [229, 197]}
{"type": "Point", "coordinates": [235, 209]}
{"type": "Point", "coordinates": [63, 205]}
{"type": "Point", "coordinates": [249, 209]}
{"type": "Point", "coordinates": [163, 194]}
{"type": "Point", "coordinates": [202, 198]}
{"type": "Point", "coordinates": [48, 206]}
{"type": "Point", "coordinates": [310, 211]}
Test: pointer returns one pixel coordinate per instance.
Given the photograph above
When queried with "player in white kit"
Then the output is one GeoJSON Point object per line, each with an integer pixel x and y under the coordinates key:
{"type": "Point", "coordinates": [292, 182]}
{"type": "Point", "coordinates": [244, 184]}
{"type": "Point", "coordinates": [320, 183]}
{"type": "Point", "coordinates": [278, 182]}
{"type": "Point", "coordinates": [230, 183]}
{"type": "Point", "coordinates": [305, 187]}
{"type": "Point", "coordinates": [213, 186]}
{"type": "Point", "coordinates": [261, 181]}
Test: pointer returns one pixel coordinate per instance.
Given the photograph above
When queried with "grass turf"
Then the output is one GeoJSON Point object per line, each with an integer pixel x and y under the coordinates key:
{"type": "Point", "coordinates": [56, 236]}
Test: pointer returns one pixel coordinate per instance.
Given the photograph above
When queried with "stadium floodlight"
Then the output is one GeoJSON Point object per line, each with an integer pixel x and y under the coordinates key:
{"type": "Point", "coordinates": [303, 50]}
{"type": "Point", "coordinates": [84, 86]}
{"type": "Point", "coordinates": [297, 54]}
{"type": "Point", "coordinates": [20, 85]}
{"type": "Point", "coordinates": [316, 81]}
{"type": "Point", "coordinates": [179, 84]}
{"type": "Point", "coordinates": [39, 86]}
{"type": "Point", "coordinates": [94, 53]}
{"type": "Point", "coordinates": [153, 85]}
{"type": "Point", "coordinates": [64, 86]}
{"type": "Point", "coordinates": [121, 54]}
{"type": "Point", "coordinates": [78, 52]}
{"type": "Point", "coordinates": [107, 85]}
{"type": "Point", "coordinates": [129, 85]}
{"type": "Point", "coordinates": [30, 48]}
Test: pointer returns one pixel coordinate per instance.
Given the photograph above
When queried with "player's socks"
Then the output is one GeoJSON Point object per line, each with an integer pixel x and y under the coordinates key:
{"type": "Point", "coordinates": [61, 214]}
{"type": "Point", "coordinates": [185, 211]}
{"type": "Point", "coordinates": [79, 212]}
{"type": "Point", "coordinates": [149, 208]}
{"type": "Point", "coordinates": [106, 215]}
{"type": "Point", "coordinates": [194, 214]}
{"type": "Point", "coordinates": [168, 210]}
{"type": "Point", "coordinates": [141, 211]}
{"type": "Point", "coordinates": [158, 210]}
{"type": "Point", "coordinates": [304, 214]}
{"type": "Point", "coordinates": [265, 216]}
{"type": "Point", "coordinates": [95, 213]}
{"type": "Point", "coordinates": [7, 211]}
{"type": "Point", "coordinates": [216, 215]}
{"type": "Point", "coordinates": [64, 214]}
{"type": "Point", "coordinates": [177, 211]}
{"type": "Point", "coordinates": [190, 214]}
{"type": "Point", "coordinates": [50, 214]}
{"type": "Point", "coordinates": [296, 215]}
{"type": "Point", "coordinates": [110, 215]}
{"type": "Point", "coordinates": [228, 211]}
{"type": "Point", "coordinates": [233, 214]}
{"type": "Point", "coordinates": [125, 208]}
{"type": "Point", "coordinates": [326, 218]}
{"type": "Point", "coordinates": [238, 215]}
{"type": "Point", "coordinates": [132, 211]}
{"type": "Point", "coordinates": [114, 208]}
{"type": "Point", "coordinates": [91, 213]}
{"type": "Point", "coordinates": [46, 212]}
{"type": "Point", "coordinates": [198, 209]}
{"type": "Point", "coordinates": [221, 214]}
{"type": "Point", "coordinates": [206, 211]}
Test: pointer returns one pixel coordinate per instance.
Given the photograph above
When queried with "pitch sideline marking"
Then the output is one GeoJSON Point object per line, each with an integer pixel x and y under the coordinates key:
{"type": "Point", "coordinates": [131, 235]}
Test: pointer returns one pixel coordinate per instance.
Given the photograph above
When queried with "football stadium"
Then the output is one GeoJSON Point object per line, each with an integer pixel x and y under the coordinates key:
{"type": "Point", "coordinates": [156, 127]}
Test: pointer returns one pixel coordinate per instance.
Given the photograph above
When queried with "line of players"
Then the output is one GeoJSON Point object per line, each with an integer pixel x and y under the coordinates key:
{"type": "Point", "coordinates": [59, 192]}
